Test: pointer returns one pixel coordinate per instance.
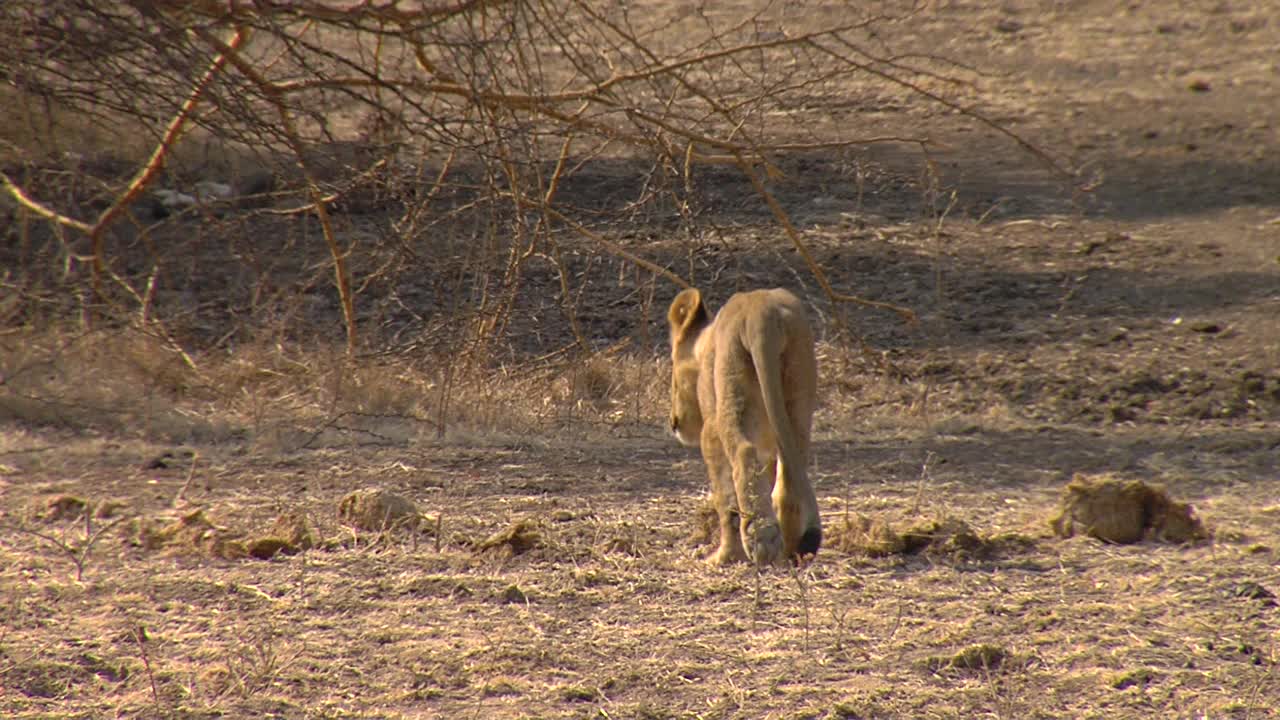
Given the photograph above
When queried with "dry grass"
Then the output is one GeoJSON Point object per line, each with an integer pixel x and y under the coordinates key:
{"type": "Point", "coordinates": [260, 525]}
{"type": "Point", "coordinates": [132, 383]}
{"type": "Point", "coordinates": [549, 570]}
{"type": "Point", "coordinates": [538, 604]}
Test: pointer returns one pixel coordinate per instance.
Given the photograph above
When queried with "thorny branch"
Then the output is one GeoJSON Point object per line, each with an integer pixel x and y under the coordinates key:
{"type": "Point", "coordinates": [469, 117]}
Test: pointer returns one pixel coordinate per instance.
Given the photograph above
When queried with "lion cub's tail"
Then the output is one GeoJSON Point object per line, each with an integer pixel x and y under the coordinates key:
{"type": "Point", "coordinates": [770, 352]}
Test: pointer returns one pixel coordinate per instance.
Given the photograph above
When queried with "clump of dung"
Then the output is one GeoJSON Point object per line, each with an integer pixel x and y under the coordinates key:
{"type": "Point", "coordinates": [515, 539]}
{"type": "Point", "coordinates": [706, 524]}
{"type": "Point", "coordinates": [193, 532]}
{"type": "Point", "coordinates": [950, 537]}
{"type": "Point", "coordinates": [293, 527]}
{"type": "Point", "coordinates": [974, 657]}
{"type": "Point", "coordinates": [1124, 511]}
{"type": "Point", "coordinates": [64, 507]}
{"type": "Point", "coordinates": [290, 535]}
{"type": "Point", "coordinates": [378, 510]}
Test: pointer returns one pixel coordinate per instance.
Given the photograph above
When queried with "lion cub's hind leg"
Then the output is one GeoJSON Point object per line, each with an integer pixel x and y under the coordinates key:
{"type": "Point", "coordinates": [797, 509]}
{"type": "Point", "coordinates": [753, 482]}
{"type": "Point", "coordinates": [723, 498]}
{"type": "Point", "coordinates": [794, 497]}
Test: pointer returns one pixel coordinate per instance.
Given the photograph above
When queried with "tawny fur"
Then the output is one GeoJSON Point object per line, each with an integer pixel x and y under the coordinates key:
{"type": "Point", "coordinates": [743, 389]}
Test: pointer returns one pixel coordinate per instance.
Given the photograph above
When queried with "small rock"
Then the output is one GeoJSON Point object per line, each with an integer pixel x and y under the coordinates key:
{"type": "Point", "coordinates": [1199, 85]}
{"type": "Point", "coordinates": [173, 200]}
{"type": "Point", "coordinates": [209, 190]}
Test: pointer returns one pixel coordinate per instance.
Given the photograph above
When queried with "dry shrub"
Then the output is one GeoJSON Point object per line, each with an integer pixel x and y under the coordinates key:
{"type": "Point", "coordinates": [263, 369]}
{"type": "Point", "coordinates": [612, 387]}
{"type": "Point", "coordinates": [1119, 511]}
{"type": "Point", "coordinates": [876, 537]}
{"type": "Point", "coordinates": [593, 382]}
{"type": "Point", "coordinates": [129, 381]}
{"type": "Point", "coordinates": [378, 510]}
{"type": "Point", "coordinates": [119, 380]}
{"type": "Point", "coordinates": [388, 389]}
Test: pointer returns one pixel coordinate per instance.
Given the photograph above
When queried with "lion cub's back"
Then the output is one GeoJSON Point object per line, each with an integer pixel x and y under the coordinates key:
{"type": "Point", "coordinates": [773, 306]}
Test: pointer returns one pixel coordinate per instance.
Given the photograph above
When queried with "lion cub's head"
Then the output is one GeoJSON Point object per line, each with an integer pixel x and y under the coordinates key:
{"type": "Point", "coordinates": [687, 319]}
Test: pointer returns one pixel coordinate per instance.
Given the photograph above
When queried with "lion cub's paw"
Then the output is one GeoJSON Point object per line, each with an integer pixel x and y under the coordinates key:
{"type": "Point", "coordinates": [763, 541]}
{"type": "Point", "coordinates": [727, 556]}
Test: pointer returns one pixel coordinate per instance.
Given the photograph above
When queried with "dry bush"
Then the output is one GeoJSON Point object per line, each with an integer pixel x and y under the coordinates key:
{"type": "Point", "coordinates": [286, 396]}
{"type": "Point", "coordinates": [125, 381]}
{"type": "Point", "coordinates": [478, 183]}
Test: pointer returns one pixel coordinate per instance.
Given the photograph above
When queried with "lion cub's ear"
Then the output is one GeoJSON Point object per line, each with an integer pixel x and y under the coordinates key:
{"type": "Point", "coordinates": [687, 314]}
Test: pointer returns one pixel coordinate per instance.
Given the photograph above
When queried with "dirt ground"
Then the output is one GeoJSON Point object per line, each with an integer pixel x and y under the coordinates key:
{"type": "Point", "coordinates": [1132, 330]}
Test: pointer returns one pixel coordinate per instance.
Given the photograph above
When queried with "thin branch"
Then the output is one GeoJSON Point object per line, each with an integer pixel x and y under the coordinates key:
{"type": "Point", "coordinates": [906, 314]}
{"type": "Point", "coordinates": [155, 163]}
{"type": "Point", "coordinates": [608, 244]}
{"type": "Point", "coordinates": [342, 276]}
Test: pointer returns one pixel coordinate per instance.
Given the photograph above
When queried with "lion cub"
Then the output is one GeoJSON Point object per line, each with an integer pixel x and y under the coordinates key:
{"type": "Point", "coordinates": [743, 388]}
